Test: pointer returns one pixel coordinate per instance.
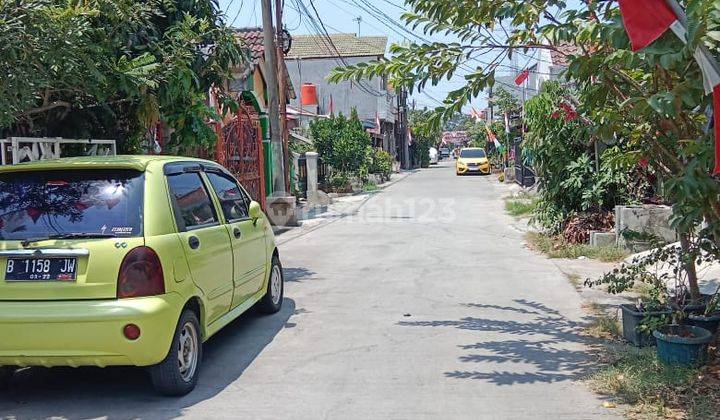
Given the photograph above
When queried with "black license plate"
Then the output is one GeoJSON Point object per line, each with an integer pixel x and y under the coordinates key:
{"type": "Point", "coordinates": [41, 269]}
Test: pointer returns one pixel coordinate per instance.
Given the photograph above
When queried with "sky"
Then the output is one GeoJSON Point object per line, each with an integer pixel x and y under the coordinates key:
{"type": "Point", "coordinates": [378, 17]}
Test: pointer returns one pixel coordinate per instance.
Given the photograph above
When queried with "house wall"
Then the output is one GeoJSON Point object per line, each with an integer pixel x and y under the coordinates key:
{"type": "Point", "coordinates": [346, 95]}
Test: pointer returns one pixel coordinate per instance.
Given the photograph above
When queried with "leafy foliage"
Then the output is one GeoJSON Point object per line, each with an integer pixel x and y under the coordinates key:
{"type": "Point", "coordinates": [425, 134]}
{"type": "Point", "coordinates": [564, 161]}
{"type": "Point", "coordinates": [113, 68]}
{"type": "Point", "coordinates": [343, 144]}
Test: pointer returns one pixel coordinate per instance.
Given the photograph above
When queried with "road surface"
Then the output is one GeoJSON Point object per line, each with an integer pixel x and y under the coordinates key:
{"type": "Point", "coordinates": [423, 305]}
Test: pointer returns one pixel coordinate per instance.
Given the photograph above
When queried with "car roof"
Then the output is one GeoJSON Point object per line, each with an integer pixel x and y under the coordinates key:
{"type": "Point", "coordinates": [472, 148]}
{"type": "Point", "coordinates": [137, 162]}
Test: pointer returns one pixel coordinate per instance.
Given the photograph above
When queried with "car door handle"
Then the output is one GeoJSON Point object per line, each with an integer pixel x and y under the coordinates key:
{"type": "Point", "coordinates": [237, 233]}
{"type": "Point", "coordinates": [194, 242]}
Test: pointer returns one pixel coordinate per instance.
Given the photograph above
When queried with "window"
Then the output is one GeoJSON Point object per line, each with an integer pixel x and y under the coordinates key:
{"type": "Point", "coordinates": [472, 153]}
{"type": "Point", "coordinates": [191, 201]}
{"type": "Point", "coordinates": [233, 200]}
{"type": "Point", "coordinates": [48, 203]}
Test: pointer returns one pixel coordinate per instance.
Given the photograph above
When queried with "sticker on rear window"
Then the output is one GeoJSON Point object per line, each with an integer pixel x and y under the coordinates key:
{"type": "Point", "coordinates": [122, 230]}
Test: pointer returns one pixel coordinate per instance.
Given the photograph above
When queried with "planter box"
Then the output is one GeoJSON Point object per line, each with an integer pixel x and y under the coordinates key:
{"type": "Point", "coordinates": [674, 349]}
{"type": "Point", "coordinates": [709, 323]}
{"type": "Point", "coordinates": [632, 319]}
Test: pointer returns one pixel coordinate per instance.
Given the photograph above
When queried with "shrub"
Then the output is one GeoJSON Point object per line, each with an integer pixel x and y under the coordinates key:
{"type": "Point", "coordinates": [342, 143]}
{"type": "Point", "coordinates": [382, 163]}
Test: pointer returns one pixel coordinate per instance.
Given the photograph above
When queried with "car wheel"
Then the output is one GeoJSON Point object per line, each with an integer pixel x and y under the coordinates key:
{"type": "Point", "coordinates": [177, 374]}
{"type": "Point", "coordinates": [6, 374]}
{"type": "Point", "coordinates": [272, 301]}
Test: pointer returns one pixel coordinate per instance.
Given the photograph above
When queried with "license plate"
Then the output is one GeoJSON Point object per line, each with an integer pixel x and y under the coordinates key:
{"type": "Point", "coordinates": [41, 269]}
{"type": "Point", "coordinates": [472, 168]}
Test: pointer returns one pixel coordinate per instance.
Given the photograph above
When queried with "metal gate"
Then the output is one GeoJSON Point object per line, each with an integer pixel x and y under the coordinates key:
{"type": "Point", "coordinates": [239, 149]}
{"type": "Point", "coordinates": [524, 175]}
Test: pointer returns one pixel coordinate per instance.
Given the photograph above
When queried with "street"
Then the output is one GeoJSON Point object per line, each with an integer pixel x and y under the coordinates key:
{"type": "Point", "coordinates": [423, 304]}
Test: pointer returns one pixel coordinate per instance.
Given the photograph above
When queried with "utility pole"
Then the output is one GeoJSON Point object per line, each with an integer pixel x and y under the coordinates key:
{"type": "Point", "coordinates": [271, 75]}
{"type": "Point", "coordinates": [359, 21]}
{"type": "Point", "coordinates": [282, 90]}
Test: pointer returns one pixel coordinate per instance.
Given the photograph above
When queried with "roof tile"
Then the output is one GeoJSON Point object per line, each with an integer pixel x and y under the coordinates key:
{"type": "Point", "coordinates": [341, 44]}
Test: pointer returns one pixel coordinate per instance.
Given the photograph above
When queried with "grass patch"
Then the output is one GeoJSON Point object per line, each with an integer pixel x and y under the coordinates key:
{"type": "Point", "coordinates": [555, 247]}
{"type": "Point", "coordinates": [520, 207]}
{"type": "Point", "coordinates": [603, 325]}
{"type": "Point", "coordinates": [370, 187]}
{"type": "Point", "coordinates": [635, 377]}
{"type": "Point", "coordinates": [652, 390]}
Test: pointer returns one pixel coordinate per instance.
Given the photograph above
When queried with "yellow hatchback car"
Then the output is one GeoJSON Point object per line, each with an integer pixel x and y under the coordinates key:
{"type": "Point", "coordinates": [133, 260]}
{"type": "Point", "coordinates": [472, 160]}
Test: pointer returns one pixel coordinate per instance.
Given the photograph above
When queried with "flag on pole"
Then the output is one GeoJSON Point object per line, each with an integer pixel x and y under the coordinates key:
{"type": "Point", "coordinates": [507, 123]}
{"type": "Point", "coordinates": [494, 140]}
{"type": "Point", "coordinates": [331, 107]}
{"type": "Point", "coordinates": [377, 123]}
{"type": "Point", "coordinates": [522, 77]}
{"type": "Point", "coordinates": [409, 136]}
{"type": "Point", "coordinates": [645, 21]}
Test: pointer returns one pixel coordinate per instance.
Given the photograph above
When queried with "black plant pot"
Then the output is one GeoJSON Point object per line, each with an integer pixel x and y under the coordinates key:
{"type": "Point", "coordinates": [632, 319]}
{"type": "Point", "coordinates": [697, 307]}
{"type": "Point", "coordinates": [709, 323]}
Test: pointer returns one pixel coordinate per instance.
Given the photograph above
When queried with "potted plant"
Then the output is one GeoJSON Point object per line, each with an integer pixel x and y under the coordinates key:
{"type": "Point", "coordinates": [671, 273]}
{"type": "Point", "coordinates": [709, 317]}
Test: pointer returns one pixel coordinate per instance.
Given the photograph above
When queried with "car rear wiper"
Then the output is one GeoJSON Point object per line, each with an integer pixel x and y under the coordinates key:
{"type": "Point", "coordinates": [82, 235]}
{"type": "Point", "coordinates": [77, 235]}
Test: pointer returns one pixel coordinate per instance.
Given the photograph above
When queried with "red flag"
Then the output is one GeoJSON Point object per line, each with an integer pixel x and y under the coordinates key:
{"type": "Point", "coordinates": [645, 20]}
{"type": "Point", "coordinates": [520, 79]}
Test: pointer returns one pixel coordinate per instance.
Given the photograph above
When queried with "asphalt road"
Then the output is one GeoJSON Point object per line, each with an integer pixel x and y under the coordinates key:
{"type": "Point", "coordinates": [422, 305]}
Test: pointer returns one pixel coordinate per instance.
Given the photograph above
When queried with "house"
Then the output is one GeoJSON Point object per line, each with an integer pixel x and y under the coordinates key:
{"type": "Point", "coordinates": [549, 65]}
{"type": "Point", "coordinates": [311, 59]}
{"type": "Point", "coordinates": [249, 83]}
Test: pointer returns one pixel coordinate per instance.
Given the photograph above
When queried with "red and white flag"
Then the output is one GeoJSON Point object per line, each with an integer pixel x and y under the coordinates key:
{"type": "Point", "coordinates": [331, 110]}
{"type": "Point", "coordinates": [645, 21]}
{"type": "Point", "coordinates": [378, 128]}
{"type": "Point", "coordinates": [522, 77]}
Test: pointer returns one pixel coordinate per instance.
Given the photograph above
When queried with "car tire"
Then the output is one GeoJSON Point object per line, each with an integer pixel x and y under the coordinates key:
{"type": "Point", "coordinates": [6, 375]}
{"type": "Point", "coordinates": [177, 374]}
{"type": "Point", "coordinates": [272, 301]}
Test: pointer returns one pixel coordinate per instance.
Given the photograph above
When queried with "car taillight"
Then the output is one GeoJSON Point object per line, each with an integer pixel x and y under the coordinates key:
{"type": "Point", "coordinates": [140, 274]}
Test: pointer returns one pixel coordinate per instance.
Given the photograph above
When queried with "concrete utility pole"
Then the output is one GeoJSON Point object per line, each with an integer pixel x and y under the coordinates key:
{"type": "Point", "coordinates": [271, 75]}
{"type": "Point", "coordinates": [282, 90]}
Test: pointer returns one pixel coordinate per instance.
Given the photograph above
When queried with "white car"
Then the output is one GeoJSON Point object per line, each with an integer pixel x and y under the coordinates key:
{"type": "Point", "coordinates": [434, 157]}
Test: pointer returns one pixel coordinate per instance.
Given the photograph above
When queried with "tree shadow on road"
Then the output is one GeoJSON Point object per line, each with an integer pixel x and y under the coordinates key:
{"type": "Point", "coordinates": [125, 392]}
{"type": "Point", "coordinates": [297, 274]}
{"type": "Point", "coordinates": [545, 347]}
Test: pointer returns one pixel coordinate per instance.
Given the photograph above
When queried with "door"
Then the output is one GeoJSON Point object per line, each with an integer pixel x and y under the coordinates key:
{"type": "Point", "coordinates": [247, 238]}
{"type": "Point", "coordinates": [205, 241]}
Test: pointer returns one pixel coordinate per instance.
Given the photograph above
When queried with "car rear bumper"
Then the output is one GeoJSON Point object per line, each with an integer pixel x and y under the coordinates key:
{"type": "Point", "coordinates": [87, 333]}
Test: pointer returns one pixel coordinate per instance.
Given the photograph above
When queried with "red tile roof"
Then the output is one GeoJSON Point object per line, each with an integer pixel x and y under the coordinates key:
{"type": "Point", "coordinates": [252, 40]}
{"type": "Point", "coordinates": [560, 56]}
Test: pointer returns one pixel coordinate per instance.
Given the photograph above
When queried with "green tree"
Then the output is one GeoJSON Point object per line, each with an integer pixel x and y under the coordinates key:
{"type": "Point", "coordinates": [343, 143]}
{"type": "Point", "coordinates": [113, 68]}
{"type": "Point", "coordinates": [425, 134]}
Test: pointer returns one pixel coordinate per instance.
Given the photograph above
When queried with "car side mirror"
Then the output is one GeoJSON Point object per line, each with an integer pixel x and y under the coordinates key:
{"type": "Point", "coordinates": [255, 211]}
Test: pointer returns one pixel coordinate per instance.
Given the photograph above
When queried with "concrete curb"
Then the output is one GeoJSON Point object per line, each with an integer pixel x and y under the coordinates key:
{"type": "Point", "coordinates": [286, 234]}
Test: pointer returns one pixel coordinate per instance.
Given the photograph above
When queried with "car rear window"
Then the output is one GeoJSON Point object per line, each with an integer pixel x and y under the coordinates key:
{"type": "Point", "coordinates": [472, 153]}
{"type": "Point", "coordinates": [92, 202]}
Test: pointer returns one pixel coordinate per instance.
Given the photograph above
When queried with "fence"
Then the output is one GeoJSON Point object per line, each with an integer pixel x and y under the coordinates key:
{"type": "Point", "coordinates": [14, 150]}
{"type": "Point", "coordinates": [323, 173]}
